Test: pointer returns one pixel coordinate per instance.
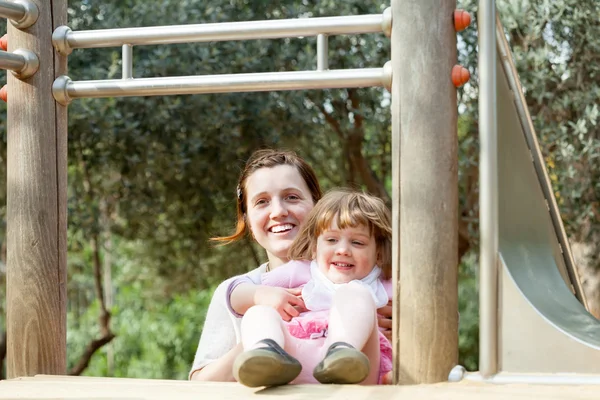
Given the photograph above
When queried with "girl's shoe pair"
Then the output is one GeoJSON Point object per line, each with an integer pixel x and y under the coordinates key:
{"type": "Point", "coordinates": [273, 366]}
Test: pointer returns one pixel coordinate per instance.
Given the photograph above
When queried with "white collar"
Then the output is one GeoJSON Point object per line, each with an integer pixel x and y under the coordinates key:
{"type": "Point", "coordinates": [318, 292]}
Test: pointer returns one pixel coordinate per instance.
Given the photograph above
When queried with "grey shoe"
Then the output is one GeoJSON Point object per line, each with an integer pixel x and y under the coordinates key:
{"type": "Point", "coordinates": [266, 366]}
{"type": "Point", "coordinates": [342, 364]}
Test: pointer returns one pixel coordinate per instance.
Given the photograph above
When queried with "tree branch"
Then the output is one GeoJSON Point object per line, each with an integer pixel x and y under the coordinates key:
{"type": "Point", "coordinates": [104, 317]}
{"type": "Point", "coordinates": [85, 359]}
{"type": "Point", "coordinates": [334, 123]}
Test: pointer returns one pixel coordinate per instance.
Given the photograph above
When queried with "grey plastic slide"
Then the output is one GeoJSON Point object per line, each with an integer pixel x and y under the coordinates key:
{"type": "Point", "coordinates": [532, 241]}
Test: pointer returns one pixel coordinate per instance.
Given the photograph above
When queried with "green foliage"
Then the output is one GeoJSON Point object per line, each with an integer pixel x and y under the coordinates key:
{"type": "Point", "coordinates": [156, 333]}
{"type": "Point", "coordinates": [468, 308]}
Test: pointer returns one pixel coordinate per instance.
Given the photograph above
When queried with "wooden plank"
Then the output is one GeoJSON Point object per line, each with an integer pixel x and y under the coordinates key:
{"type": "Point", "coordinates": [99, 388]}
{"type": "Point", "coordinates": [424, 119]}
{"type": "Point", "coordinates": [36, 206]}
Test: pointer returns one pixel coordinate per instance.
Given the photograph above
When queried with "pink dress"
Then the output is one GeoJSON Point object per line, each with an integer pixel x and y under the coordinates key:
{"type": "Point", "coordinates": [312, 325]}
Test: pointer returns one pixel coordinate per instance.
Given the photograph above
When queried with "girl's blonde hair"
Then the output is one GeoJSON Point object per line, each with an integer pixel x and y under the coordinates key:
{"type": "Point", "coordinates": [347, 208]}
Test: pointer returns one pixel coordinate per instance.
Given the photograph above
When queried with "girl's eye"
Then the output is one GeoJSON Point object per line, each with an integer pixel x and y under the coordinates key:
{"type": "Point", "coordinates": [357, 243]}
{"type": "Point", "coordinates": [331, 240]}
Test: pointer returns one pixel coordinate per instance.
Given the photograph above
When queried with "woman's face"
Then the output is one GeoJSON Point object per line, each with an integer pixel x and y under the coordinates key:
{"type": "Point", "coordinates": [278, 200]}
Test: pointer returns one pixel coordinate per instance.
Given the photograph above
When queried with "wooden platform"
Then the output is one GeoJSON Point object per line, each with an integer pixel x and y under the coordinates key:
{"type": "Point", "coordinates": [64, 387]}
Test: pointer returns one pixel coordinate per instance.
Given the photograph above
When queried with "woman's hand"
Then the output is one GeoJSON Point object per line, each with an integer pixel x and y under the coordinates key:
{"type": "Point", "coordinates": [287, 302]}
{"type": "Point", "coordinates": [384, 320]}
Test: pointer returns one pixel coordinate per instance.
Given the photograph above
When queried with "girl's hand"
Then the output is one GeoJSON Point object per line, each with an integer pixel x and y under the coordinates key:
{"type": "Point", "coordinates": [384, 320]}
{"type": "Point", "coordinates": [286, 302]}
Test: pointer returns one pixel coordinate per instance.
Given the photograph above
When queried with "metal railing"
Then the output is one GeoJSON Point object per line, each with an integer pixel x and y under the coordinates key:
{"type": "Point", "coordinates": [64, 89]}
{"type": "Point", "coordinates": [65, 40]}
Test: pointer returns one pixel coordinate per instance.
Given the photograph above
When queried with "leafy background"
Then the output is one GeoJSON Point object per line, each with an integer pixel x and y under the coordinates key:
{"type": "Point", "coordinates": [151, 179]}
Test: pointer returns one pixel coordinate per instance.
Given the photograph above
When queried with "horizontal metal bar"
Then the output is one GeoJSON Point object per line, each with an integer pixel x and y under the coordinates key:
{"type": "Point", "coordinates": [11, 61]}
{"type": "Point", "coordinates": [10, 10]}
{"type": "Point", "coordinates": [23, 63]}
{"type": "Point", "coordinates": [22, 13]}
{"type": "Point", "coordinates": [65, 40]}
{"type": "Point", "coordinates": [64, 89]}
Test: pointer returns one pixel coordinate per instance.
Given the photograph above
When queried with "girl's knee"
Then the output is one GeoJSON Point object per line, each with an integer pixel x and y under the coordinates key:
{"type": "Point", "coordinates": [261, 312]}
{"type": "Point", "coordinates": [354, 293]}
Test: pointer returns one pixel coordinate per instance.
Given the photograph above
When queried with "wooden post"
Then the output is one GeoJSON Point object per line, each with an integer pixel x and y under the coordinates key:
{"type": "Point", "coordinates": [37, 205]}
{"type": "Point", "coordinates": [425, 191]}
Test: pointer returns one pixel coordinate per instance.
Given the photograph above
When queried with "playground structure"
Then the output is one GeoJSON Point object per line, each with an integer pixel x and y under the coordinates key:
{"type": "Point", "coordinates": [534, 326]}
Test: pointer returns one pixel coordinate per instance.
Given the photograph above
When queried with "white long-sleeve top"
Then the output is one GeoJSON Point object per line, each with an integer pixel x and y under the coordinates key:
{"type": "Point", "coordinates": [221, 331]}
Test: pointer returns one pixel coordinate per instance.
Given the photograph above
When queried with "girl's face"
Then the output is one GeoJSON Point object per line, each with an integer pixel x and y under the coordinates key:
{"type": "Point", "coordinates": [346, 254]}
{"type": "Point", "coordinates": [278, 201]}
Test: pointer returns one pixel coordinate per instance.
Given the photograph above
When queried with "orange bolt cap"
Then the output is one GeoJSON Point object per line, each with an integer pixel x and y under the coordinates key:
{"type": "Point", "coordinates": [460, 75]}
{"type": "Point", "coordinates": [462, 19]}
{"type": "Point", "coordinates": [4, 42]}
{"type": "Point", "coordinates": [4, 94]}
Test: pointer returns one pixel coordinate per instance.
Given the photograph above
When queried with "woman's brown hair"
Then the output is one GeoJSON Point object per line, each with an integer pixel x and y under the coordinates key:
{"type": "Point", "coordinates": [268, 158]}
{"type": "Point", "coordinates": [347, 208]}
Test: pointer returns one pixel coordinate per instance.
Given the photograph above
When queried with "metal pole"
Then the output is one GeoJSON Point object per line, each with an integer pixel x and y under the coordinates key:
{"type": "Point", "coordinates": [127, 61]}
{"type": "Point", "coordinates": [65, 40]}
{"type": "Point", "coordinates": [64, 89]}
{"type": "Point", "coordinates": [22, 13]}
{"type": "Point", "coordinates": [488, 191]}
{"type": "Point", "coordinates": [322, 52]}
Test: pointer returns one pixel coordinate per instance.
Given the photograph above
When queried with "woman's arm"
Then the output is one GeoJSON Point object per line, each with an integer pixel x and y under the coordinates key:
{"type": "Point", "coordinates": [216, 342]}
{"type": "Point", "coordinates": [219, 370]}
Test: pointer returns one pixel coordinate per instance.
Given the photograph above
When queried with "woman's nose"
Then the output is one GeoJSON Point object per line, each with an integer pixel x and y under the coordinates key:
{"type": "Point", "coordinates": [278, 209]}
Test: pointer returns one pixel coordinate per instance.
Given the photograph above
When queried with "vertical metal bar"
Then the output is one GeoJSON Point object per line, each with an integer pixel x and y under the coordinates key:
{"type": "Point", "coordinates": [127, 61]}
{"type": "Point", "coordinates": [322, 52]}
{"type": "Point", "coordinates": [488, 191]}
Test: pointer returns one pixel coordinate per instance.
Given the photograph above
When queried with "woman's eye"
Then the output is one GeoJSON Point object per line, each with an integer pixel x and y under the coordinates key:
{"type": "Point", "coordinates": [260, 202]}
{"type": "Point", "coordinates": [293, 197]}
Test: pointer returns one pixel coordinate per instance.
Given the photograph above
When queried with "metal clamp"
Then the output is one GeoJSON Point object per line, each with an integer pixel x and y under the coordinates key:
{"type": "Point", "coordinates": [386, 23]}
{"type": "Point", "coordinates": [60, 41]}
{"type": "Point", "coordinates": [30, 66]}
{"type": "Point", "coordinates": [386, 78]}
{"type": "Point", "coordinates": [59, 90]}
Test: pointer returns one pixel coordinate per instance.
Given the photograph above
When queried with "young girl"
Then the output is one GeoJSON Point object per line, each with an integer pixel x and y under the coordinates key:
{"type": "Point", "coordinates": [348, 237]}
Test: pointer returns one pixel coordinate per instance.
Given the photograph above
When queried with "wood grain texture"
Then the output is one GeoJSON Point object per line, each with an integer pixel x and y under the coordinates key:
{"type": "Point", "coordinates": [36, 205]}
{"type": "Point", "coordinates": [115, 388]}
{"type": "Point", "coordinates": [425, 179]}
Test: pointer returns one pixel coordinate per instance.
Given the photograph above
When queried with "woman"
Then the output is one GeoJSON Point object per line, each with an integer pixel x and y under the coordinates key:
{"type": "Point", "coordinates": [275, 192]}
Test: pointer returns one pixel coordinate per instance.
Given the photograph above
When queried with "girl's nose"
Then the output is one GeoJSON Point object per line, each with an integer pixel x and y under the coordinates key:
{"type": "Point", "coordinates": [342, 249]}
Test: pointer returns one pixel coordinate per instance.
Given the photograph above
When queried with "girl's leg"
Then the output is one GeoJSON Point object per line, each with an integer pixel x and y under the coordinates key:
{"type": "Point", "coordinates": [352, 318]}
{"type": "Point", "coordinates": [352, 321]}
{"type": "Point", "coordinates": [261, 322]}
{"type": "Point", "coordinates": [264, 362]}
